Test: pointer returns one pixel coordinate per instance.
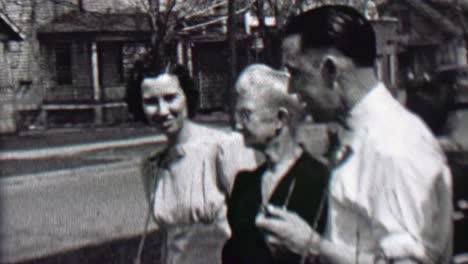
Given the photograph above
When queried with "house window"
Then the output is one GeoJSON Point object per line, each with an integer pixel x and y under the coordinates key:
{"type": "Point", "coordinates": [63, 64]}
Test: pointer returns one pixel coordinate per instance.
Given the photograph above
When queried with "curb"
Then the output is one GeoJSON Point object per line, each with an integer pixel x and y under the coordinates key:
{"type": "Point", "coordinates": [47, 176]}
{"type": "Point", "coordinates": [78, 148]}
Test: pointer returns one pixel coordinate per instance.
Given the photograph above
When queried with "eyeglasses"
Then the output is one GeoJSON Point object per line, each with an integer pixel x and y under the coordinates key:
{"type": "Point", "coordinates": [244, 115]}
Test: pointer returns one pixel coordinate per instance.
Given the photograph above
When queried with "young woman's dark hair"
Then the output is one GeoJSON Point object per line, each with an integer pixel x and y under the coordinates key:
{"type": "Point", "coordinates": [188, 86]}
{"type": "Point", "coordinates": [340, 27]}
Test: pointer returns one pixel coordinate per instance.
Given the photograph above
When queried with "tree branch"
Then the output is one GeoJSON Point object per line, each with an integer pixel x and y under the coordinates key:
{"type": "Point", "coordinates": [219, 19]}
{"type": "Point", "coordinates": [203, 11]}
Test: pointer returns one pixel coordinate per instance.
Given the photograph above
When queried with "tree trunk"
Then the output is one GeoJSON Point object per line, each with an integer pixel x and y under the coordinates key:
{"type": "Point", "coordinates": [461, 16]}
{"type": "Point", "coordinates": [156, 52]}
{"type": "Point", "coordinates": [231, 39]}
{"type": "Point", "coordinates": [266, 58]}
{"type": "Point", "coordinates": [81, 6]}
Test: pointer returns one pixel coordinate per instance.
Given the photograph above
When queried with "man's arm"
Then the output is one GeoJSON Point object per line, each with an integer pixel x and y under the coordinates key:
{"type": "Point", "coordinates": [287, 229]}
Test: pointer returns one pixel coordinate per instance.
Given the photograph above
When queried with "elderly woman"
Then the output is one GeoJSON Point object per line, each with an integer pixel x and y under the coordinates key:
{"type": "Point", "coordinates": [189, 180]}
{"type": "Point", "coordinates": [268, 118]}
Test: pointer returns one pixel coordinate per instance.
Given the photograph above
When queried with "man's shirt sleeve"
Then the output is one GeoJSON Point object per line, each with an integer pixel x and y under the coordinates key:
{"type": "Point", "coordinates": [419, 196]}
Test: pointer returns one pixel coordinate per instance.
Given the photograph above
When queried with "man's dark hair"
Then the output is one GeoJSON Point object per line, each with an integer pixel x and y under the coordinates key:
{"type": "Point", "coordinates": [336, 26]}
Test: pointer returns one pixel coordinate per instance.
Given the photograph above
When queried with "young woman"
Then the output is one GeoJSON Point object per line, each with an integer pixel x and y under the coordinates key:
{"type": "Point", "coordinates": [189, 180]}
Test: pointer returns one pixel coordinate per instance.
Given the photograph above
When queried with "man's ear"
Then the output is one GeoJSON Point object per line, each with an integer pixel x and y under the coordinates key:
{"type": "Point", "coordinates": [329, 71]}
{"type": "Point", "coordinates": [283, 117]}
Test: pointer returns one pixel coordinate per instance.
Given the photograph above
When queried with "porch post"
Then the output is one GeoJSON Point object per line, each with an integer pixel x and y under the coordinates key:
{"type": "Point", "coordinates": [180, 52]}
{"type": "Point", "coordinates": [461, 51]}
{"type": "Point", "coordinates": [96, 85]}
{"type": "Point", "coordinates": [393, 70]}
{"type": "Point", "coordinates": [378, 66]}
{"type": "Point", "coordinates": [190, 59]}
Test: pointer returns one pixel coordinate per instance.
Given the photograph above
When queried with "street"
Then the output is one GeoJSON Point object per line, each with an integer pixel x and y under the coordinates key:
{"type": "Point", "coordinates": [51, 212]}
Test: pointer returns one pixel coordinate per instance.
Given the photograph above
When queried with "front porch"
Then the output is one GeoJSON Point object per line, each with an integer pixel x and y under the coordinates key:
{"type": "Point", "coordinates": [87, 59]}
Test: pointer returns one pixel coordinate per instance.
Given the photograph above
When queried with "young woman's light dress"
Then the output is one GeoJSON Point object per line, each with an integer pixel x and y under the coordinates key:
{"type": "Point", "coordinates": [190, 183]}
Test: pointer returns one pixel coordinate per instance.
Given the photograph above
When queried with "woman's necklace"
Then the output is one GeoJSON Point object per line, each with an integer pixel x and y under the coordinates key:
{"type": "Point", "coordinates": [273, 176]}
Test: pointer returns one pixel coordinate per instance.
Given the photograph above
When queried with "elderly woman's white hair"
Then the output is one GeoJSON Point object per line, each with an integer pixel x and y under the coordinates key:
{"type": "Point", "coordinates": [272, 86]}
{"type": "Point", "coordinates": [260, 75]}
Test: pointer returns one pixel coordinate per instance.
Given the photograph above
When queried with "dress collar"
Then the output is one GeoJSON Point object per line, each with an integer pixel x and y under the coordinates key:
{"type": "Point", "coordinates": [171, 155]}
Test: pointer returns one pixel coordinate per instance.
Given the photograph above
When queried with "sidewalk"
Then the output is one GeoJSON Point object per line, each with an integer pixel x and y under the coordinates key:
{"type": "Point", "coordinates": [63, 142]}
{"type": "Point", "coordinates": [40, 151]}
{"type": "Point", "coordinates": [37, 144]}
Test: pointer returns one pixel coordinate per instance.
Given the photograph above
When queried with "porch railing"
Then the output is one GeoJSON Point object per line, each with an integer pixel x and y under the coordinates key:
{"type": "Point", "coordinates": [80, 94]}
{"type": "Point", "coordinates": [68, 94]}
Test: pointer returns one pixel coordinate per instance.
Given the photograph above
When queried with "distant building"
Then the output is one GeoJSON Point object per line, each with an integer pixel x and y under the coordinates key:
{"type": "Point", "coordinates": [202, 46]}
{"type": "Point", "coordinates": [429, 36]}
{"type": "Point", "coordinates": [87, 58]}
{"type": "Point", "coordinates": [387, 50]}
{"type": "Point", "coordinates": [52, 74]}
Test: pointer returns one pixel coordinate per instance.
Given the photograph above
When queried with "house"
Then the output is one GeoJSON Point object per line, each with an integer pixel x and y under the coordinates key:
{"type": "Point", "coordinates": [204, 49]}
{"type": "Point", "coordinates": [8, 32]}
{"type": "Point", "coordinates": [430, 36]}
{"type": "Point", "coordinates": [387, 43]}
{"type": "Point", "coordinates": [88, 56]}
{"type": "Point", "coordinates": [386, 38]}
{"type": "Point", "coordinates": [33, 69]}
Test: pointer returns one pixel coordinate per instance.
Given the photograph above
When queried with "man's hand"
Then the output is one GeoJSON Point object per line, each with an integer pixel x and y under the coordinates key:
{"type": "Point", "coordinates": [287, 229]}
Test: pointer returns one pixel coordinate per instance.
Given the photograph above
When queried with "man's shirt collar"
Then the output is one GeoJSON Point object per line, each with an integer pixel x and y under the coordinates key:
{"type": "Point", "coordinates": [362, 112]}
{"type": "Point", "coordinates": [357, 121]}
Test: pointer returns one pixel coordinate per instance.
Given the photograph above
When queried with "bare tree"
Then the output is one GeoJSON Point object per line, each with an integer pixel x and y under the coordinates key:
{"type": "Point", "coordinates": [166, 18]}
{"type": "Point", "coordinates": [280, 10]}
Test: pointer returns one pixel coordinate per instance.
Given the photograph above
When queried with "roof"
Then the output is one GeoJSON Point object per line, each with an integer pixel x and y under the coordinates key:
{"type": "Point", "coordinates": [13, 31]}
{"type": "Point", "coordinates": [437, 17]}
{"type": "Point", "coordinates": [125, 26]}
{"type": "Point", "coordinates": [434, 14]}
{"type": "Point", "coordinates": [85, 22]}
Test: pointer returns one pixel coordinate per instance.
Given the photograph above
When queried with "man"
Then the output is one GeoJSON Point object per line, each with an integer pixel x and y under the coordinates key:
{"type": "Point", "coordinates": [390, 197]}
{"type": "Point", "coordinates": [267, 116]}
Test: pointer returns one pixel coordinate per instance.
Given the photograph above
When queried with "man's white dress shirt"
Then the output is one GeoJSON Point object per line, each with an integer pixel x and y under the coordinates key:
{"type": "Point", "coordinates": [393, 193]}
